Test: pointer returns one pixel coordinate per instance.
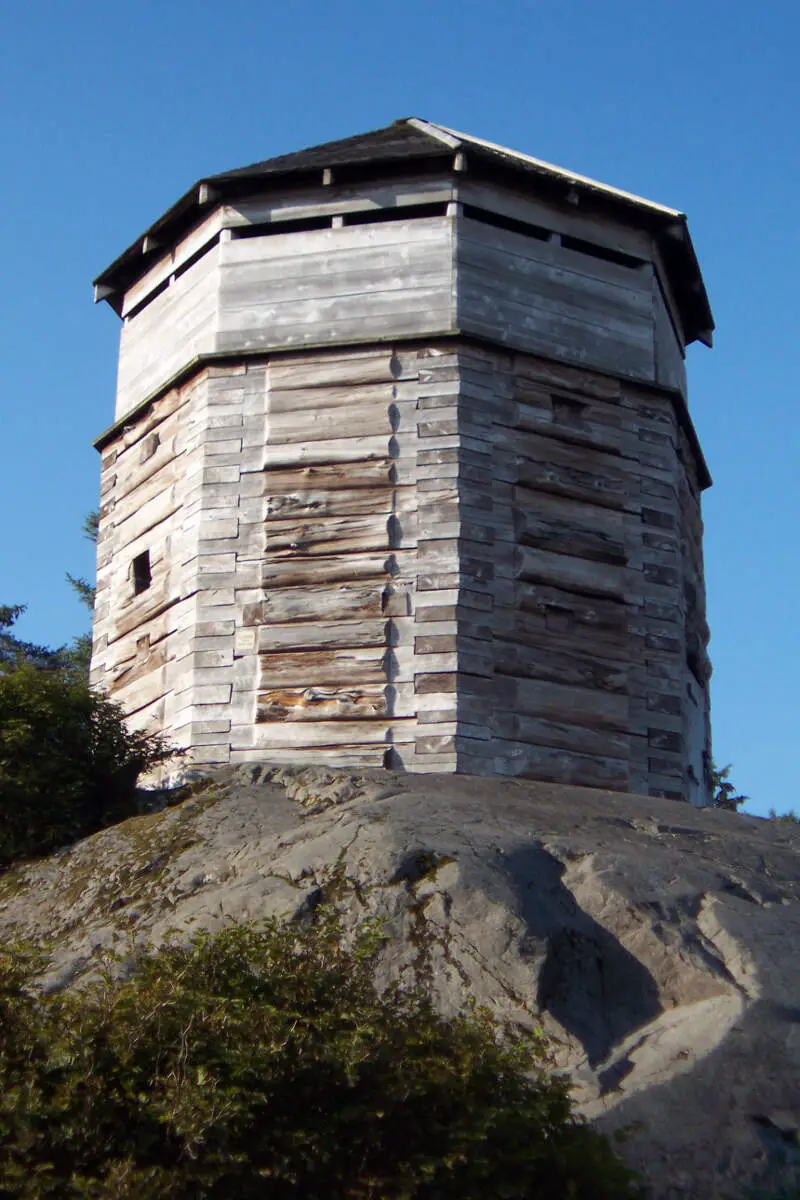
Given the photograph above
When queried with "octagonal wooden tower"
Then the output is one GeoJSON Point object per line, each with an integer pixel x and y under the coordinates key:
{"type": "Point", "coordinates": [402, 470]}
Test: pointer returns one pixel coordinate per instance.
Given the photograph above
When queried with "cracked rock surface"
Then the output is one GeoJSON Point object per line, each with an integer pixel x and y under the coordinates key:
{"type": "Point", "coordinates": [657, 944]}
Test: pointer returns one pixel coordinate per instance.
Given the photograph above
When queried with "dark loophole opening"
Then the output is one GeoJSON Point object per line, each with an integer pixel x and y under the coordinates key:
{"type": "Point", "coordinates": [603, 252]}
{"type": "Point", "coordinates": [510, 223]}
{"type": "Point", "coordinates": [291, 225]}
{"type": "Point", "coordinates": [140, 571]}
{"type": "Point", "coordinates": [403, 212]}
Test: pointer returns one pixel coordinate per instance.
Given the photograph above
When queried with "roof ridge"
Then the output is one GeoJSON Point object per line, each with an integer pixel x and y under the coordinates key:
{"type": "Point", "coordinates": [406, 127]}
{"type": "Point", "coordinates": [422, 146]}
{"type": "Point", "coordinates": [468, 139]}
{"type": "Point", "coordinates": [439, 132]}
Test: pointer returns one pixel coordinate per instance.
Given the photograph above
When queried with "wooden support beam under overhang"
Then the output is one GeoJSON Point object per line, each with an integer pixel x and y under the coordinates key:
{"type": "Point", "coordinates": [102, 291]}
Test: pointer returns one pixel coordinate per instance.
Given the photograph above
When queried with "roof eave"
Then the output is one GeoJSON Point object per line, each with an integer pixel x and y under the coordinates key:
{"type": "Point", "coordinates": [669, 225]}
{"type": "Point", "coordinates": [204, 194]}
{"type": "Point", "coordinates": [107, 281]}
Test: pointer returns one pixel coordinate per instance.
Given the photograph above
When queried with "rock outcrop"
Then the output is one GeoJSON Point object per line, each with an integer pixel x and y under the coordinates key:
{"type": "Point", "coordinates": [656, 943]}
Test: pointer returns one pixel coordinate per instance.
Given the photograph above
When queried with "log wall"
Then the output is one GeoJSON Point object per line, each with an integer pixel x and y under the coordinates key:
{"type": "Point", "coordinates": [582, 605]}
{"type": "Point", "coordinates": [436, 556]}
{"type": "Point", "coordinates": [547, 298]}
{"type": "Point", "coordinates": [413, 473]}
{"type": "Point", "coordinates": [285, 289]}
{"type": "Point", "coordinates": [300, 516]}
{"type": "Point", "coordinates": [177, 484]}
{"type": "Point", "coordinates": [564, 284]}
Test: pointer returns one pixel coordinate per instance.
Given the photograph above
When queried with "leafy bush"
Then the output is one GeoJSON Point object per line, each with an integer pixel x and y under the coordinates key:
{"type": "Point", "coordinates": [260, 1062]}
{"type": "Point", "coordinates": [68, 764]}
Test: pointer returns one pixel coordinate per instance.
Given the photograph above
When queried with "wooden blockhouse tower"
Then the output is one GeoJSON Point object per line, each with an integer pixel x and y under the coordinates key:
{"type": "Point", "coordinates": [402, 470]}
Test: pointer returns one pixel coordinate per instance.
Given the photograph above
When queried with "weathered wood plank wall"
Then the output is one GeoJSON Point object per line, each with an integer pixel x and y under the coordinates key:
{"type": "Point", "coordinates": [480, 552]}
{"type": "Point", "coordinates": [244, 280]}
{"type": "Point", "coordinates": [302, 559]}
{"type": "Point", "coordinates": [313, 287]}
{"type": "Point", "coordinates": [173, 328]}
{"type": "Point", "coordinates": [144, 498]}
{"type": "Point", "coordinates": [504, 575]}
{"type": "Point", "coordinates": [549, 299]}
{"type": "Point", "coordinates": [336, 285]}
{"type": "Point", "coordinates": [588, 604]}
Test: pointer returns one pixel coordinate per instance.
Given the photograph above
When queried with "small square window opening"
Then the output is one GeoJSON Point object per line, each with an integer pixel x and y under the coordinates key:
{"type": "Point", "coordinates": [140, 572]}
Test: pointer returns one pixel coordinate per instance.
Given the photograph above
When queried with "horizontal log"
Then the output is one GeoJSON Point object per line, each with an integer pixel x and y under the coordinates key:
{"type": "Point", "coordinates": [611, 490]}
{"type": "Point", "coordinates": [569, 572]}
{"type": "Point", "coordinates": [321, 734]}
{"type": "Point", "coordinates": [540, 662]}
{"type": "Point", "coordinates": [322, 667]}
{"type": "Point", "coordinates": [299, 372]}
{"type": "Point", "coordinates": [567, 536]}
{"type": "Point", "coordinates": [561, 735]}
{"type": "Point", "coordinates": [316, 703]}
{"type": "Point", "coordinates": [328, 477]}
{"type": "Point", "coordinates": [322, 635]}
{"type": "Point", "coordinates": [549, 374]}
{"type": "Point", "coordinates": [297, 571]}
{"type": "Point", "coordinates": [327, 316]}
{"type": "Point", "coordinates": [589, 707]}
{"type": "Point", "coordinates": [326, 535]}
{"type": "Point", "coordinates": [365, 502]}
{"type": "Point", "coordinates": [346, 602]}
{"type": "Point", "coordinates": [326, 396]}
{"type": "Point", "coordinates": [562, 766]}
{"type": "Point", "coordinates": [536, 447]}
{"type": "Point", "coordinates": [358, 448]}
{"type": "Point", "coordinates": [563, 607]}
{"type": "Point", "coordinates": [339, 756]}
{"type": "Point", "coordinates": [289, 427]}
{"type": "Point", "coordinates": [551, 506]}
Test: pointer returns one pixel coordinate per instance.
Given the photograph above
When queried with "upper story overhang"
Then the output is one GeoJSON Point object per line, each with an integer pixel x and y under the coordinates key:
{"type": "Point", "coordinates": [342, 179]}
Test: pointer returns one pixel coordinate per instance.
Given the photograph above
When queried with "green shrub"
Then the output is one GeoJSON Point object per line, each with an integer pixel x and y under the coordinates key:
{"type": "Point", "coordinates": [68, 765]}
{"type": "Point", "coordinates": [260, 1062]}
{"type": "Point", "coordinates": [790, 1191]}
{"type": "Point", "coordinates": [789, 818]}
{"type": "Point", "coordinates": [723, 792]}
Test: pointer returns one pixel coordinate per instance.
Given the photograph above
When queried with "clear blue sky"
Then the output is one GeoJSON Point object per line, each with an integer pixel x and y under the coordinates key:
{"type": "Point", "coordinates": [110, 111]}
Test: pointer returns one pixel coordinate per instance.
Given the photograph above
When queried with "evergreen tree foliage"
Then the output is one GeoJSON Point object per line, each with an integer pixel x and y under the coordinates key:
{"type": "Point", "coordinates": [14, 651]}
{"type": "Point", "coordinates": [723, 792]}
{"type": "Point", "coordinates": [68, 764]}
{"type": "Point", "coordinates": [73, 659]}
{"type": "Point", "coordinates": [78, 656]}
{"type": "Point", "coordinates": [260, 1062]}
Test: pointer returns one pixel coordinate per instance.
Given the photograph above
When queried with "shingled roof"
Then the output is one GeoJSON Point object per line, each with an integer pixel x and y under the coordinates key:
{"type": "Point", "coordinates": [412, 137]}
{"type": "Point", "coordinates": [406, 139]}
{"type": "Point", "coordinates": [408, 142]}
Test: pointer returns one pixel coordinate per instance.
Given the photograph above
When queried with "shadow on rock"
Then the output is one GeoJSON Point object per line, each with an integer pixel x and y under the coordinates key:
{"type": "Point", "coordinates": [595, 988]}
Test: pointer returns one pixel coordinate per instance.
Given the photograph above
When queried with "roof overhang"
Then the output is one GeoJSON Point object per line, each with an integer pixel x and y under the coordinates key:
{"type": "Point", "coordinates": [411, 147]}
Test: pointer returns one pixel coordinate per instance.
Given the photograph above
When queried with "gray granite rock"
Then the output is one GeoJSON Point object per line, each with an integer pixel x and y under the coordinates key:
{"type": "Point", "coordinates": [656, 943]}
